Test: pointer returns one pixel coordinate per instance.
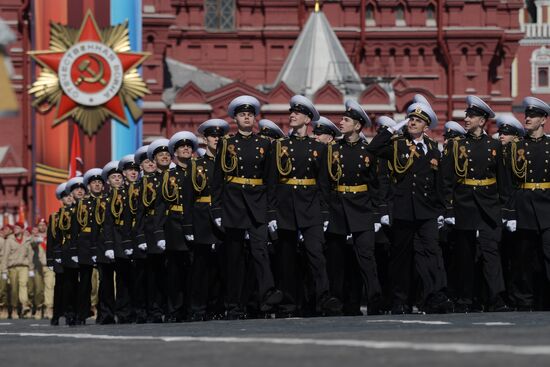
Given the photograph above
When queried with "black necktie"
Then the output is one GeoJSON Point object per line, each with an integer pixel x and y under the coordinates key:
{"type": "Point", "coordinates": [420, 148]}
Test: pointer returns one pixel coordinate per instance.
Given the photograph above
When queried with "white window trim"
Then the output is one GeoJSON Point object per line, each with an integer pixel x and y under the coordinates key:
{"type": "Point", "coordinates": [539, 58]}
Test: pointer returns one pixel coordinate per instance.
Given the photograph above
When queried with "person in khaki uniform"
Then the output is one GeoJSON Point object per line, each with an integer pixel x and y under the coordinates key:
{"type": "Point", "coordinates": [44, 279]}
{"type": "Point", "coordinates": [4, 232]}
{"type": "Point", "coordinates": [17, 260]}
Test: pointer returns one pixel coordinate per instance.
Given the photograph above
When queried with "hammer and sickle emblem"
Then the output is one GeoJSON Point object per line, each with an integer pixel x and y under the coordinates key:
{"type": "Point", "coordinates": [95, 75]}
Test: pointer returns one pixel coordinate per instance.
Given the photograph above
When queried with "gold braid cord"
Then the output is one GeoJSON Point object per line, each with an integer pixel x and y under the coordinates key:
{"type": "Point", "coordinates": [519, 169]}
{"type": "Point", "coordinates": [117, 206]}
{"type": "Point", "coordinates": [170, 190]}
{"type": "Point", "coordinates": [198, 172]}
{"type": "Point", "coordinates": [132, 198]}
{"type": "Point", "coordinates": [82, 214]}
{"type": "Point", "coordinates": [281, 152]}
{"type": "Point", "coordinates": [53, 224]}
{"type": "Point", "coordinates": [333, 160]}
{"type": "Point", "coordinates": [100, 207]}
{"type": "Point", "coordinates": [148, 187]}
{"type": "Point", "coordinates": [398, 167]}
{"type": "Point", "coordinates": [234, 160]}
{"type": "Point", "coordinates": [461, 172]}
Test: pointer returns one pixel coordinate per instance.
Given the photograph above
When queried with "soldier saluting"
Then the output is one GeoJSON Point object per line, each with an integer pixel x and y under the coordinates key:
{"type": "Point", "coordinates": [240, 202]}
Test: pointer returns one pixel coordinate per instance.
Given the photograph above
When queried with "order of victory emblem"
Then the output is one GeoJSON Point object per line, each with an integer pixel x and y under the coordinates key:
{"type": "Point", "coordinates": [89, 75]}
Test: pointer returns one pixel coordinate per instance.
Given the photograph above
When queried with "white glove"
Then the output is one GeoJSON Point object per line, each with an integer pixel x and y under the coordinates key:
{"type": "Point", "coordinates": [94, 259]}
{"type": "Point", "coordinates": [5, 276]}
{"type": "Point", "coordinates": [511, 225]}
{"type": "Point", "coordinates": [325, 225]}
{"type": "Point", "coordinates": [477, 233]}
{"type": "Point", "coordinates": [74, 258]}
{"type": "Point", "coordinates": [142, 246]}
{"type": "Point", "coordinates": [31, 274]}
{"type": "Point", "coordinates": [272, 226]}
{"type": "Point", "coordinates": [110, 254]}
{"type": "Point", "coordinates": [440, 222]}
{"type": "Point", "coordinates": [399, 126]}
{"type": "Point", "coordinates": [213, 247]}
{"type": "Point", "coordinates": [218, 222]}
{"type": "Point", "coordinates": [189, 237]}
{"type": "Point", "coordinates": [161, 244]}
{"type": "Point", "coordinates": [58, 261]}
{"type": "Point", "coordinates": [504, 221]}
{"type": "Point", "coordinates": [51, 268]}
{"type": "Point", "coordinates": [246, 235]}
{"type": "Point", "coordinates": [385, 220]}
{"type": "Point", "coordinates": [377, 227]}
{"type": "Point", "coordinates": [450, 221]}
{"type": "Point", "coordinates": [128, 252]}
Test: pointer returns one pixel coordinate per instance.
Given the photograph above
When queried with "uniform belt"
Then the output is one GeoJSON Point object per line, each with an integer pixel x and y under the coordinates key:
{"type": "Point", "coordinates": [151, 212]}
{"type": "Point", "coordinates": [204, 199]}
{"type": "Point", "coordinates": [244, 180]}
{"type": "Point", "coordinates": [298, 181]}
{"type": "Point", "coordinates": [87, 229]}
{"type": "Point", "coordinates": [119, 223]}
{"type": "Point", "coordinates": [355, 188]}
{"type": "Point", "coordinates": [177, 208]}
{"type": "Point", "coordinates": [535, 185]}
{"type": "Point", "coordinates": [484, 182]}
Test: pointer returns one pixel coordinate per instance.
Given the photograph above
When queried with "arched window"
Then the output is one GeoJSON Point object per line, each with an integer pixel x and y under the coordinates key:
{"type": "Point", "coordinates": [430, 16]}
{"type": "Point", "coordinates": [540, 68]}
{"type": "Point", "coordinates": [219, 15]}
{"type": "Point", "coordinates": [400, 15]}
{"type": "Point", "coordinates": [369, 15]}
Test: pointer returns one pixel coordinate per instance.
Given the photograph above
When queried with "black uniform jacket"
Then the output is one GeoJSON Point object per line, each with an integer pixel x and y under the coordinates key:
{"type": "Point", "coordinates": [85, 227]}
{"type": "Point", "coordinates": [117, 227]}
{"type": "Point", "coordinates": [147, 228]}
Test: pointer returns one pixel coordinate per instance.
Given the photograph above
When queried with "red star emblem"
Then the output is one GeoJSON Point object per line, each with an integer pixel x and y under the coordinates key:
{"type": "Point", "coordinates": [90, 74]}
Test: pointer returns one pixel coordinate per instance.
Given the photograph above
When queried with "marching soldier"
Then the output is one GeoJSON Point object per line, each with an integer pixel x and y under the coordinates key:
{"type": "Point", "coordinates": [325, 131]}
{"type": "Point", "coordinates": [154, 165]}
{"type": "Point", "coordinates": [417, 211]}
{"type": "Point", "coordinates": [86, 223]}
{"type": "Point", "coordinates": [55, 240]}
{"type": "Point", "coordinates": [453, 130]}
{"type": "Point", "coordinates": [301, 195]}
{"type": "Point", "coordinates": [119, 247]}
{"type": "Point", "coordinates": [69, 252]}
{"type": "Point", "coordinates": [270, 130]}
{"type": "Point", "coordinates": [130, 170]}
{"type": "Point", "coordinates": [240, 203]}
{"type": "Point", "coordinates": [529, 208]}
{"type": "Point", "coordinates": [206, 286]}
{"type": "Point", "coordinates": [352, 172]}
{"type": "Point", "coordinates": [174, 210]}
{"type": "Point", "coordinates": [474, 193]}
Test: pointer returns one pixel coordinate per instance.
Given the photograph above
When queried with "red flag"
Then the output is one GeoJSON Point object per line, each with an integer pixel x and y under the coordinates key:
{"type": "Point", "coordinates": [75, 163]}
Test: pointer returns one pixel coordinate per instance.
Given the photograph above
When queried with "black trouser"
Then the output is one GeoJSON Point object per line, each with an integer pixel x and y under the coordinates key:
{"type": "Point", "coordinates": [177, 274]}
{"type": "Point", "coordinates": [139, 294]}
{"type": "Point", "coordinates": [363, 246]}
{"type": "Point", "coordinates": [155, 269]}
{"type": "Point", "coordinates": [475, 256]}
{"type": "Point", "coordinates": [58, 296]}
{"type": "Point", "coordinates": [70, 292]}
{"type": "Point", "coordinates": [530, 267]}
{"type": "Point", "coordinates": [106, 309]}
{"type": "Point", "coordinates": [415, 247]}
{"type": "Point", "coordinates": [124, 284]}
{"type": "Point", "coordinates": [288, 259]}
{"type": "Point", "coordinates": [236, 264]}
{"type": "Point", "coordinates": [204, 276]}
{"type": "Point", "coordinates": [84, 291]}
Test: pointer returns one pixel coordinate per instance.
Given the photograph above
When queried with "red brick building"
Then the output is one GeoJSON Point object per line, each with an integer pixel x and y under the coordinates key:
{"type": "Point", "coordinates": [206, 52]}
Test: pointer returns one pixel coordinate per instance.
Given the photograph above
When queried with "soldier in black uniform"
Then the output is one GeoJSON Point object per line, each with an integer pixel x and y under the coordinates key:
{"type": "Point", "coordinates": [174, 212]}
{"type": "Point", "coordinates": [270, 130]}
{"type": "Point", "coordinates": [474, 194]}
{"type": "Point", "coordinates": [59, 222]}
{"type": "Point", "coordinates": [325, 131]}
{"type": "Point", "coordinates": [301, 196]}
{"type": "Point", "coordinates": [119, 246]}
{"type": "Point", "coordinates": [240, 202]}
{"type": "Point", "coordinates": [130, 171]}
{"type": "Point", "coordinates": [69, 253]}
{"type": "Point", "coordinates": [417, 211]}
{"type": "Point", "coordinates": [149, 229]}
{"type": "Point", "coordinates": [86, 223]}
{"type": "Point", "coordinates": [206, 287]}
{"type": "Point", "coordinates": [353, 212]}
{"type": "Point", "coordinates": [529, 207]}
